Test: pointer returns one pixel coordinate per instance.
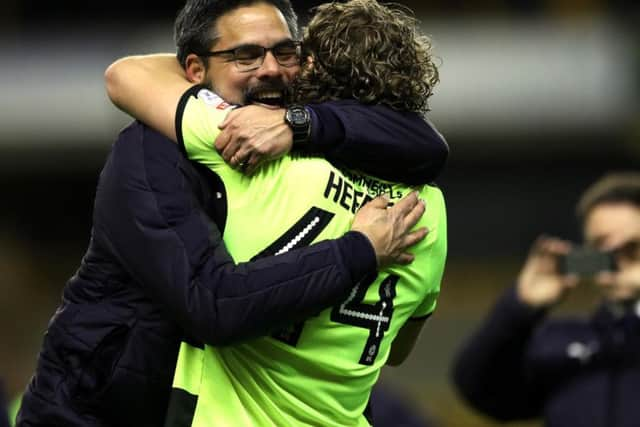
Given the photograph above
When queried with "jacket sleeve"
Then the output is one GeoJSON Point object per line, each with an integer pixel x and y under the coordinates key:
{"type": "Point", "coordinates": [148, 217]}
{"type": "Point", "coordinates": [392, 145]}
{"type": "Point", "coordinates": [489, 371]}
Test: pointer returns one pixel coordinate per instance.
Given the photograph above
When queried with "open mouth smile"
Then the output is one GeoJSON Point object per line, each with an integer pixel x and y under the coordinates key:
{"type": "Point", "coordinates": [268, 97]}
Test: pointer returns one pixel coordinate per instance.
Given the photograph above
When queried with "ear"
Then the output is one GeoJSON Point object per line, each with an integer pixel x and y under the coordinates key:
{"type": "Point", "coordinates": [195, 69]}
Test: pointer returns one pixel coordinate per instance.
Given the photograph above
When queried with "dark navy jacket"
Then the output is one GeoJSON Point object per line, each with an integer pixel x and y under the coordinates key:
{"type": "Point", "coordinates": [156, 272]}
{"type": "Point", "coordinates": [571, 372]}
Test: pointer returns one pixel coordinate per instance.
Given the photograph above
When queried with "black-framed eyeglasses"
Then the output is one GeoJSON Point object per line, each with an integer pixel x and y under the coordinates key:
{"type": "Point", "coordinates": [249, 57]}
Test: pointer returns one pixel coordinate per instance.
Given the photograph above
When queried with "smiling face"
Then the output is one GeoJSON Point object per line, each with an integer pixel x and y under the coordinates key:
{"type": "Point", "coordinates": [259, 24]}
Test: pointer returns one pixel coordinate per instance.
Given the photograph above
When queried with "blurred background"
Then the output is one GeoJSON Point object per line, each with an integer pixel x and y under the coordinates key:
{"type": "Point", "coordinates": [538, 98]}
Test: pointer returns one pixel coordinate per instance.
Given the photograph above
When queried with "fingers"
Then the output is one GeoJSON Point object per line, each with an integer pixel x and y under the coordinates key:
{"type": "Point", "coordinates": [225, 136]}
{"type": "Point", "coordinates": [240, 156]}
{"type": "Point", "coordinates": [249, 165]}
{"type": "Point", "coordinates": [405, 258]}
{"type": "Point", "coordinates": [252, 135]}
{"type": "Point", "coordinates": [226, 121]}
{"type": "Point", "coordinates": [414, 215]}
{"type": "Point", "coordinates": [231, 117]}
{"type": "Point", "coordinates": [229, 154]}
{"type": "Point", "coordinates": [253, 164]}
{"type": "Point", "coordinates": [407, 204]}
{"type": "Point", "coordinates": [409, 240]}
{"type": "Point", "coordinates": [246, 161]}
{"type": "Point", "coordinates": [558, 247]}
{"type": "Point", "coordinates": [222, 140]}
{"type": "Point", "coordinates": [248, 153]}
{"type": "Point", "coordinates": [380, 202]}
{"type": "Point", "coordinates": [546, 253]}
{"type": "Point", "coordinates": [415, 237]}
{"type": "Point", "coordinates": [545, 245]}
{"type": "Point", "coordinates": [411, 208]}
{"type": "Point", "coordinates": [229, 142]}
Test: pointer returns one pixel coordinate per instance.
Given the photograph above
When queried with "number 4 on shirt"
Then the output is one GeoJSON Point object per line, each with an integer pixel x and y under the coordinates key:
{"type": "Point", "coordinates": [374, 317]}
{"type": "Point", "coordinates": [353, 312]}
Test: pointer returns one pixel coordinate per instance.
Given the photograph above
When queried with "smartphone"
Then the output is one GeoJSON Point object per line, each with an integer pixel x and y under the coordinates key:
{"type": "Point", "coordinates": [585, 261]}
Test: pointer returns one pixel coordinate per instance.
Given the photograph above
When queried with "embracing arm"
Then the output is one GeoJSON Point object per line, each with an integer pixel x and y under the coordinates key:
{"type": "Point", "coordinates": [147, 215]}
{"type": "Point", "coordinates": [148, 218]}
{"type": "Point", "coordinates": [393, 145]}
{"type": "Point", "coordinates": [148, 88]}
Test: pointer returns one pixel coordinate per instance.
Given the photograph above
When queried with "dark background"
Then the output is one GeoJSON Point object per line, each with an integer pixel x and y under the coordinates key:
{"type": "Point", "coordinates": [537, 99]}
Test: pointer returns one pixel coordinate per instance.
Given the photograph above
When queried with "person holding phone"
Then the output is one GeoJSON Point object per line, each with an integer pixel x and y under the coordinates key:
{"type": "Point", "coordinates": [572, 372]}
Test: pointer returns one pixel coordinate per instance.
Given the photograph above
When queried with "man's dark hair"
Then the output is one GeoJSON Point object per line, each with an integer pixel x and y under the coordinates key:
{"type": "Point", "coordinates": [619, 187]}
{"type": "Point", "coordinates": [195, 24]}
{"type": "Point", "coordinates": [369, 52]}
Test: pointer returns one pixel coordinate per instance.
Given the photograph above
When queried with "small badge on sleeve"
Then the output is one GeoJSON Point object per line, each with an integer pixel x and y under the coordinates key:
{"type": "Point", "coordinates": [212, 99]}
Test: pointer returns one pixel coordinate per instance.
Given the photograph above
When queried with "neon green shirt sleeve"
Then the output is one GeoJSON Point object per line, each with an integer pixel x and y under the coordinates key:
{"type": "Point", "coordinates": [436, 254]}
{"type": "Point", "coordinates": [199, 113]}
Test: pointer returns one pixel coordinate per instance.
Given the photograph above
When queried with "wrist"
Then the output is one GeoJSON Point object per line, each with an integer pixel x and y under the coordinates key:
{"type": "Point", "coordinates": [298, 119]}
{"type": "Point", "coordinates": [366, 250]}
{"type": "Point", "coordinates": [370, 236]}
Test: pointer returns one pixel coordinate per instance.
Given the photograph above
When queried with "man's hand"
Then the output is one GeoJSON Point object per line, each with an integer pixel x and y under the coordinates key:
{"type": "Point", "coordinates": [540, 283]}
{"type": "Point", "coordinates": [253, 135]}
{"type": "Point", "coordinates": [388, 228]}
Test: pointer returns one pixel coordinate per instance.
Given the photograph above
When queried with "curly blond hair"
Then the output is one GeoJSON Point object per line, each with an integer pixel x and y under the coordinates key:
{"type": "Point", "coordinates": [369, 52]}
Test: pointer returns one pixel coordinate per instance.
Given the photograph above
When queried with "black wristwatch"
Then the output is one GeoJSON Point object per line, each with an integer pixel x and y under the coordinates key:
{"type": "Point", "coordinates": [299, 120]}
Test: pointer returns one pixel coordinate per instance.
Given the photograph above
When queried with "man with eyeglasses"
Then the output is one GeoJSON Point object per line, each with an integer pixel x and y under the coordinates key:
{"type": "Point", "coordinates": [251, 57]}
{"type": "Point", "coordinates": [156, 271]}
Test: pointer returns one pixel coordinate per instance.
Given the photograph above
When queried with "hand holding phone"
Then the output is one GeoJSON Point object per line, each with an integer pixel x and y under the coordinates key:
{"type": "Point", "coordinates": [540, 282]}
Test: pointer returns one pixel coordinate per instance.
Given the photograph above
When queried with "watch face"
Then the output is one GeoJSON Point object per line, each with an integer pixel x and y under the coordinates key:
{"type": "Point", "coordinates": [299, 120]}
{"type": "Point", "coordinates": [297, 116]}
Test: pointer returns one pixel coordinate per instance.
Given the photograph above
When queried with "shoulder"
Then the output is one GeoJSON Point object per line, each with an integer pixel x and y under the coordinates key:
{"type": "Point", "coordinates": [143, 160]}
{"type": "Point", "coordinates": [433, 195]}
{"type": "Point", "coordinates": [140, 149]}
{"type": "Point", "coordinates": [139, 139]}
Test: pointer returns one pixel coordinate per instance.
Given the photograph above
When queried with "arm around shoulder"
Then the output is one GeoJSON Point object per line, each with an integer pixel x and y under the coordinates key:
{"type": "Point", "coordinates": [392, 145]}
{"type": "Point", "coordinates": [148, 88]}
{"type": "Point", "coordinates": [146, 214]}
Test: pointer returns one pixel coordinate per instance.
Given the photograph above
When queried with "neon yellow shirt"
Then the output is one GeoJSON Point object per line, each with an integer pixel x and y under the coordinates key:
{"type": "Point", "coordinates": [320, 372]}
